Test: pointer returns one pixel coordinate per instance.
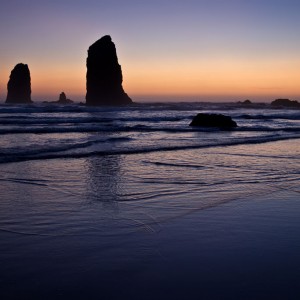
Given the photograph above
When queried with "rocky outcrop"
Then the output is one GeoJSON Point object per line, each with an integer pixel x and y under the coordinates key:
{"type": "Point", "coordinates": [62, 100]}
{"type": "Point", "coordinates": [285, 103]}
{"type": "Point", "coordinates": [104, 75]}
{"type": "Point", "coordinates": [19, 85]}
{"type": "Point", "coordinates": [246, 102]}
{"type": "Point", "coordinates": [213, 120]}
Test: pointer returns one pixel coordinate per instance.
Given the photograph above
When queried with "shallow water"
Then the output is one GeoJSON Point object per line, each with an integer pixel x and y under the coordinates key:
{"type": "Point", "coordinates": [203, 222]}
{"type": "Point", "coordinates": [48, 131]}
{"type": "Point", "coordinates": [58, 197]}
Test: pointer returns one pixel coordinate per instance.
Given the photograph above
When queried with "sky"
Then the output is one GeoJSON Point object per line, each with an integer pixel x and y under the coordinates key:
{"type": "Point", "coordinates": [208, 50]}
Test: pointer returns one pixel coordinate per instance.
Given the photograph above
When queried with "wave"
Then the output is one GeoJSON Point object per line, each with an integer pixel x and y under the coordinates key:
{"type": "Point", "coordinates": [23, 181]}
{"type": "Point", "coordinates": [7, 155]}
{"type": "Point", "coordinates": [268, 129]}
{"type": "Point", "coordinates": [149, 124]}
{"type": "Point", "coordinates": [286, 116]}
{"type": "Point", "coordinates": [81, 108]}
{"type": "Point", "coordinates": [49, 121]}
{"type": "Point", "coordinates": [158, 163]}
{"type": "Point", "coordinates": [40, 108]}
{"type": "Point", "coordinates": [185, 105]}
{"type": "Point", "coordinates": [25, 120]}
{"type": "Point", "coordinates": [57, 153]}
{"type": "Point", "coordinates": [80, 128]}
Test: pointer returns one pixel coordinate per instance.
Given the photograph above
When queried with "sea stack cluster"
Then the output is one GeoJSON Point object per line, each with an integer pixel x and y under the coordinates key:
{"type": "Point", "coordinates": [104, 75]}
{"type": "Point", "coordinates": [285, 103]}
{"type": "Point", "coordinates": [63, 99]}
{"type": "Point", "coordinates": [19, 85]}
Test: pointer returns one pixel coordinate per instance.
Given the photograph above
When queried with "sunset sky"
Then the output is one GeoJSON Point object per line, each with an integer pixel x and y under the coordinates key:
{"type": "Point", "coordinates": [215, 50]}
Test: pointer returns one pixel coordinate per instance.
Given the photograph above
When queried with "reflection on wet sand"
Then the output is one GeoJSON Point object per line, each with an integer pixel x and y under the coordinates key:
{"type": "Point", "coordinates": [104, 180]}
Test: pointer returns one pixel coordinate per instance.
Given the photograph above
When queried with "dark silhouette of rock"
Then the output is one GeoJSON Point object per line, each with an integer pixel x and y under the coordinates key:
{"type": "Point", "coordinates": [213, 120]}
{"type": "Point", "coordinates": [285, 103]}
{"type": "Point", "coordinates": [104, 75]}
{"type": "Point", "coordinates": [19, 85]}
{"type": "Point", "coordinates": [62, 97]}
{"type": "Point", "coordinates": [246, 102]}
{"type": "Point", "coordinates": [62, 100]}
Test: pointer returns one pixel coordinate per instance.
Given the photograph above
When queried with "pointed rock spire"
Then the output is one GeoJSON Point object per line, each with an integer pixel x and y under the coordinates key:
{"type": "Point", "coordinates": [104, 75]}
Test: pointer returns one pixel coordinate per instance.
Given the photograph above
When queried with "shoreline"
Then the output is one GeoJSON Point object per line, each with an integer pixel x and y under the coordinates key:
{"type": "Point", "coordinates": [215, 223]}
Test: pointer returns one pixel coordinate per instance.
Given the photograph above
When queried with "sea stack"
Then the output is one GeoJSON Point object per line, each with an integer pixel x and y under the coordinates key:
{"type": "Point", "coordinates": [63, 99]}
{"type": "Point", "coordinates": [19, 86]}
{"type": "Point", "coordinates": [285, 103]}
{"type": "Point", "coordinates": [104, 75]}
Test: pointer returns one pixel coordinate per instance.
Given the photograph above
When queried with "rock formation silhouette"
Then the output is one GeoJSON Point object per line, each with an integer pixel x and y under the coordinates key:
{"type": "Point", "coordinates": [213, 120]}
{"type": "Point", "coordinates": [19, 85]}
{"type": "Point", "coordinates": [104, 75]}
{"type": "Point", "coordinates": [246, 102]}
{"type": "Point", "coordinates": [285, 103]}
{"type": "Point", "coordinates": [62, 100]}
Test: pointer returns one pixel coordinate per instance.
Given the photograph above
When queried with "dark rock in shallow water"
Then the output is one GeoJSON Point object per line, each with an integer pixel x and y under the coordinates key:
{"type": "Point", "coordinates": [285, 103]}
{"type": "Point", "coordinates": [104, 75]}
{"type": "Point", "coordinates": [213, 120]}
{"type": "Point", "coordinates": [19, 85]}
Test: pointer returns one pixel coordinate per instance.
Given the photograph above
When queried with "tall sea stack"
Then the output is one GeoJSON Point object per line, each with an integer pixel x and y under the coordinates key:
{"type": "Point", "coordinates": [19, 86]}
{"type": "Point", "coordinates": [104, 75]}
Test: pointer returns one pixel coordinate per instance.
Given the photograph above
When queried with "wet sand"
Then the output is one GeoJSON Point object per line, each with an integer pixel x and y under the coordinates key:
{"type": "Point", "coordinates": [128, 228]}
{"type": "Point", "coordinates": [238, 250]}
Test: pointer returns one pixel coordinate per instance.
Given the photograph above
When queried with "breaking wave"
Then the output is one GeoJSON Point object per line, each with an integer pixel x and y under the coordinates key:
{"type": "Point", "coordinates": [52, 131]}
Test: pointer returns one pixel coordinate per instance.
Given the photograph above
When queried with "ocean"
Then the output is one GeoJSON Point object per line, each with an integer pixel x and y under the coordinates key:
{"type": "Point", "coordinates": [132, 203]}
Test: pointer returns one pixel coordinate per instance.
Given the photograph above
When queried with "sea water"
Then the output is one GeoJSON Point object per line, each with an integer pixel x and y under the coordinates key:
{"type": "Point", "coordinates": [132, 203]}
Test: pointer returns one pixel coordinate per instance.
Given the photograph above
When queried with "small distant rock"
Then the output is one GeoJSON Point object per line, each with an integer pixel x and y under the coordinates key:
{"type": "Point", "coordinates": [19, 85]}
{"type": "Point", "coordinates": [62, 100]}
{"type": "Point", "coordinates": [285, 103]}
{"type": "Point", "coordinates": [213, 120]}
{"type": "Point", "coordinates": [246, 102]}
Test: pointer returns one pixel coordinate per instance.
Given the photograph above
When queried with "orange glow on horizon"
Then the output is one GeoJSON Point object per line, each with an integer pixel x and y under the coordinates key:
{"type": "Point", "coordinates": [280, 79]}
{"type": "Point", "coordinates": [206, 78]}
